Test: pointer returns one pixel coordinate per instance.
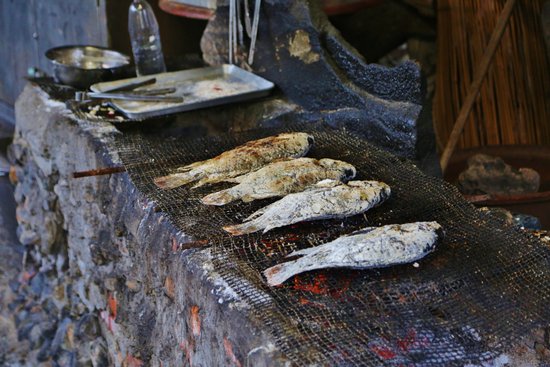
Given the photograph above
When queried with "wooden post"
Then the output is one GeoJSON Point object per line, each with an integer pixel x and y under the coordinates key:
{"type": "Point", "coordinates": [473, 90]}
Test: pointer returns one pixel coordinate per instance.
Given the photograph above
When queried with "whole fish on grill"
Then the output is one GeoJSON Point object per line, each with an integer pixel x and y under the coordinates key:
{"type": "Point", "coordinates": [371, 247]}
{"type": "Point", "coordinates": [325, 200]}
{"type": "Point", "coordinates": [282, 178]}
{"type": "Point", "coordinates": [241, 160]}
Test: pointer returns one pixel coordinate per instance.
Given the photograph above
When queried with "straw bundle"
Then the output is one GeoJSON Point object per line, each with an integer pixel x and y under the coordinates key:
{"type": "Point", "coordinates": [513, 106]}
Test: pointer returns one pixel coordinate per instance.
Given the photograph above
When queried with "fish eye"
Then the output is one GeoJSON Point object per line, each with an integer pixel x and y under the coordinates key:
{"type": "Point", "coordinates": [348, 173]}
{"type": "Point", "coordinates": [310, 139]}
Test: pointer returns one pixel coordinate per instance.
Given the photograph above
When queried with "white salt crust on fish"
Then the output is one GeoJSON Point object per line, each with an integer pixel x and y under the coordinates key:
{"type": "Point", "coordinates": [282, 178]}
{"type": "Point", "coordinates": [371, 247]}
{"type": "Point", "coordinates": [239, 161]}
{"type": "Point", "coordinates": [325, 200]}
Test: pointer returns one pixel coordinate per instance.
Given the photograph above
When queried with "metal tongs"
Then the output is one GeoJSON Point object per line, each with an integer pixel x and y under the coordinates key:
{"type": "Point", "coordinates": [236, 28]}
{"type": "Point", "coordinates": [141, 97]}
{"type": "Point", "coordinates": [120, 93]}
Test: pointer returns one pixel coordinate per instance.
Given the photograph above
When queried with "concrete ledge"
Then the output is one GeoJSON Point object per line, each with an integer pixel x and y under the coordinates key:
{"type": "Point", "coordinates": [123, 292]}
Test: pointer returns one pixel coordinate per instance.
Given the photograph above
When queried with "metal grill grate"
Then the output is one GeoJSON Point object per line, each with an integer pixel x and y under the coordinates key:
{"type": "Point", "coordinates": [484, 287]}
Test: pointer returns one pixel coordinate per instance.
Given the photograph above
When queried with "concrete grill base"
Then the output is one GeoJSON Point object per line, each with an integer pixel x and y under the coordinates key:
{"type": "Point", "coordinates": [107, 279]}
{"type": "Point", "coordinates": [107, 273]}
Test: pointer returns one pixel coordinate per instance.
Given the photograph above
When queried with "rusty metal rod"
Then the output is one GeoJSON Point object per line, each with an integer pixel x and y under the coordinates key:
{"type": "Point", "coordinates": [479, 76]}
{"type": "Point", "coordinates": [99, 172]}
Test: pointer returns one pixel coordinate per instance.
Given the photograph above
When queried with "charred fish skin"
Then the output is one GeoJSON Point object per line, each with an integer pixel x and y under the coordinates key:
{"type": "Point", "coordinates": [240, 160]}
{"type": "Point", "coordinates": [326, 200]}
{"type": "Point", "coordinates": [371, 247]}
{"type": "Point", "coordinates": [282, 178]}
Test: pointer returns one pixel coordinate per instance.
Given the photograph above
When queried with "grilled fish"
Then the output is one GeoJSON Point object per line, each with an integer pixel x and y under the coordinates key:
{"type": "Point", "coordinates": [327, 199]}
{"type": "Point", "coordinates": [282, 178]}
{"type": "Point", "coordinates": [241, 160]}
{"type": "Point", "coordinates": [371, 247]}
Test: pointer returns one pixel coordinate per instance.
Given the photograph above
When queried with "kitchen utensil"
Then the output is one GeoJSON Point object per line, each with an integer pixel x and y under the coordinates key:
{"type": "Point", "coordinates": [200, 88]}
{"type": "Point", "coordinates": [255, 23]}
{"type": "Point", "coordinates": [81, 66]}
{"type": "Point", "coordinates": [82, 96]}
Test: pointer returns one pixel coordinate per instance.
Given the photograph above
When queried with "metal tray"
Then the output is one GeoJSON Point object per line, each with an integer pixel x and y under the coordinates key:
{"type": "Point", "coordinates": [200, 88]}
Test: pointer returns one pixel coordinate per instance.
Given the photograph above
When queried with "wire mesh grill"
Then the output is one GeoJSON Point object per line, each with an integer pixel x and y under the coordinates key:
{"type": "Point", "coordinates": [485, 286]}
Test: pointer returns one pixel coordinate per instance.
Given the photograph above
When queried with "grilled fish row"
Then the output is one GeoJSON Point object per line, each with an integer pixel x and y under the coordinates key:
{"type": "Point", "coordinates": [326, 200]}
{"type": "Point", "coordinates": [282, 178]}
{"type": "Point", "coordinates": [239, 161]}
{"type": "Point", "coordinates": [371, 247]}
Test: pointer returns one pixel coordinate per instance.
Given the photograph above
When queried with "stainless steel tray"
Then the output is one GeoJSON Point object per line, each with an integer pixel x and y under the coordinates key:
{"type": "Point", "coordinates": [200, 88]}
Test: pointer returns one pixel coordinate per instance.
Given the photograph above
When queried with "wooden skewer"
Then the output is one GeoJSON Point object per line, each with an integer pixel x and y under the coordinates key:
{"type": "Point", "coordinates": [99, 172]}
{"type": "Point", "coordinates": [473, 90]}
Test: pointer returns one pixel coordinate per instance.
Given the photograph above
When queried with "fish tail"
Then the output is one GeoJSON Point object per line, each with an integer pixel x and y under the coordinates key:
{"type": "Point", "coordinates": [174, 180]}
{"type": "Point", "coordinates": [219, 198]}
{"type": "Point", "coordinates": [255, 215]}
{"type": "Point", "coordinates": [213, 179]}
{"type": "Point", "coordinates": [278, 274]}
{"type": "Point", "coordinates": [199, 184]}
{"type": "Point", "coordinates": [241, 229]}
{"type": "Point", "coordinates": [190, 167]}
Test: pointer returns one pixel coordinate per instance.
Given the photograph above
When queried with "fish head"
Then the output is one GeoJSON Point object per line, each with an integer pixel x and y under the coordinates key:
{"type": "Point", "coordinates": [369, 186]}
{"type": "Point", "coordinates": [437, 228]}
{"type": "Point", "coordinates": [347, 170]}
{"type": "Point", "coordinates": [297, 143]}
{"type": "Point", "coordinates": [431, 232]}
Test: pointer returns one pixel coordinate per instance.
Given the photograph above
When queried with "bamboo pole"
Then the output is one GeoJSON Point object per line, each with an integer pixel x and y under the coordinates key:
{"type": "Point", "coordinates": [479, 76]}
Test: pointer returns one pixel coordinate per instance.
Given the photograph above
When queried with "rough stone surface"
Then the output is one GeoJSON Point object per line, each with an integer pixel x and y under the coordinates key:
{"type": "Point", "coordinates": [325, 78]}
{"type": "Point", "coordinates": [10, 265]}
{"type": "Point", "coordinates": [491, 175]}
{"type": "Point", "coordinates": [105, 281]}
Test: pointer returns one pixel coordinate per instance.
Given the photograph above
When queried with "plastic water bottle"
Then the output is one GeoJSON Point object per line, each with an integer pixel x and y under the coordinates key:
{"type": "Point", "coordinates": [145, 38]}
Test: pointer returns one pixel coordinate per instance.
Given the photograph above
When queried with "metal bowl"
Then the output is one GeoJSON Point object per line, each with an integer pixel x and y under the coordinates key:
{"type": "Point", "coordinates": [82, 66]}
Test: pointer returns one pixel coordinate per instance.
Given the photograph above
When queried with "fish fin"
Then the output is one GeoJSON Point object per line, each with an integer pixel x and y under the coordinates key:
{"type": "Point", "coordinates": [174, 180]}
{"type": "Point", "coordinates": [278, 274]}
{"type": "Point", "coordinates": [355, 183]}
{"type": "Point", "coordinates": [327, 183]}
{"type": "Point", "coordinates": [232, 179]}
{"type": "Point", "coordinates": [361, 231]}
{"type": "Point", "coordinates": [184, 169]}
{"type": "Point", "coordinates": [191, 166]}
{"type": "Point", "coordinates": [303, 252]}
{"type": "Point", "coordinates": [256, 214]}
{"type": "Point", "coordinates": [216, 178]}
{"type": "Point", "coordinates": [207, 181]}
{"type": "Point", "coordinates": [247, 198]}
{"type": "Point", "coordinates": [269, 228]}
{"type": "Point", "coordinates": [284, 159]}
{"type": "Point", "coordinates": [241, 229]}
{"type": "Point", "coordinates": [219, 198]}
{"type": "Point", "coordinates": [237, 179]}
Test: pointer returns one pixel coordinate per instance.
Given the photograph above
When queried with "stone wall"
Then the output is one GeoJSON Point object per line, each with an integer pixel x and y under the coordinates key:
{"type": "Point", "coordinates": [106, 280]}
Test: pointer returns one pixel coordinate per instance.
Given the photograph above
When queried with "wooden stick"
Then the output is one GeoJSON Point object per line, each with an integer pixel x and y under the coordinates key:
{"type": "Point", "coordinates": [99, 172]}
{"type": "Point", "coordinates": [479, 75]}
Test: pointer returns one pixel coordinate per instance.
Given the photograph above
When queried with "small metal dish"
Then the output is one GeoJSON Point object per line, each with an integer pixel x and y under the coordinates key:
{"type": "Point", "coordinates": [82, 66]}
